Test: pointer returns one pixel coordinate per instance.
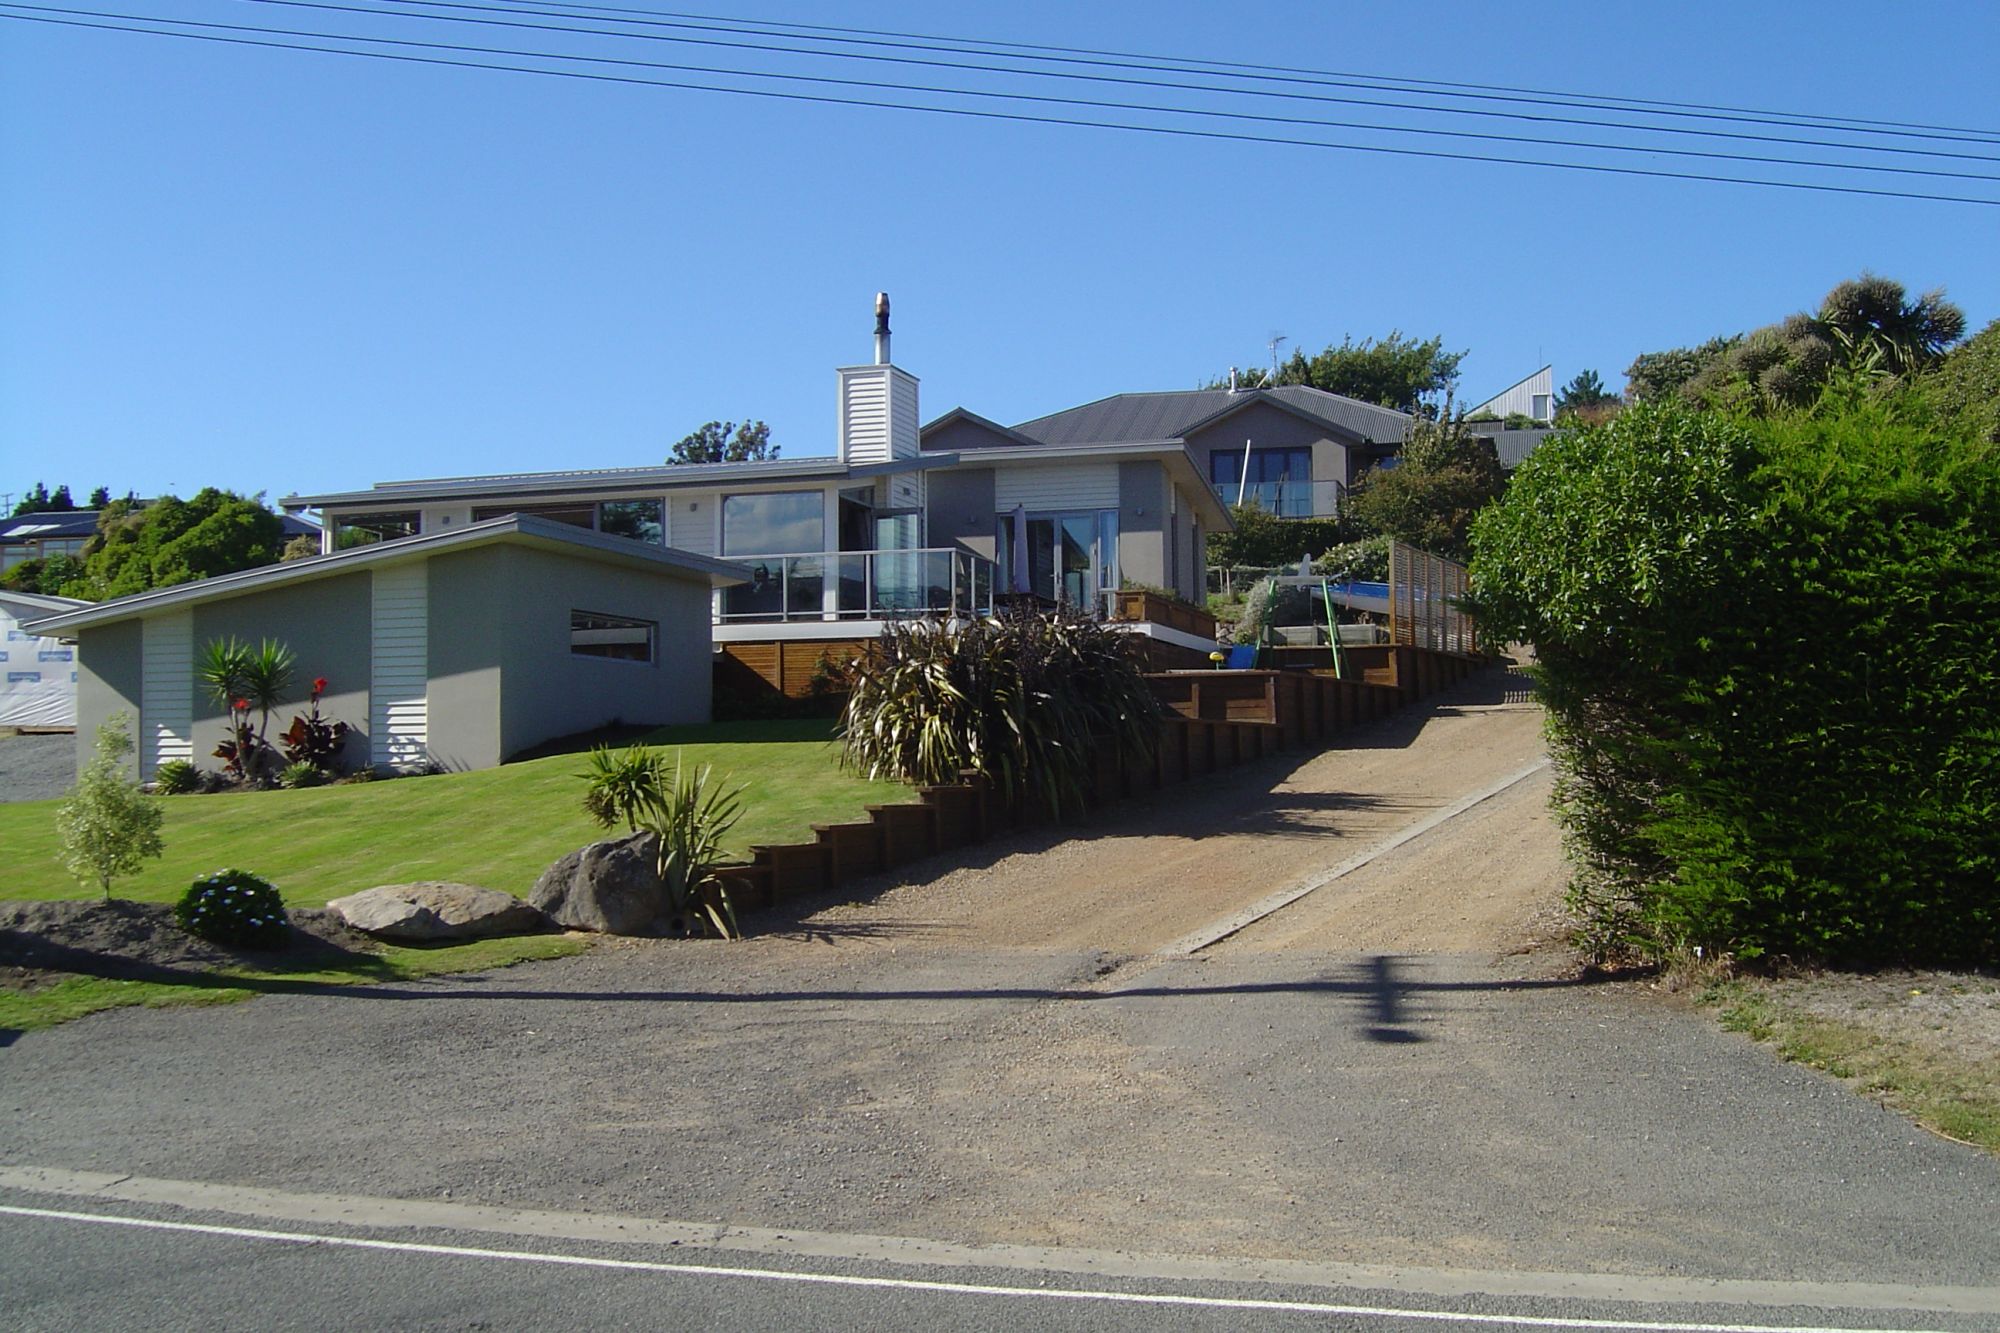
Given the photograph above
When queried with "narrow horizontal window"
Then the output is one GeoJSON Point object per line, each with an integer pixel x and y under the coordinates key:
{"type": "Point", "coordinates": [594, 634]}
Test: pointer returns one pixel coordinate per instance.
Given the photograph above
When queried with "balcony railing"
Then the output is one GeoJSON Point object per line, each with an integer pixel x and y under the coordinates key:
{"type": "Point", "coordinates": [1287, 499]}
{"type": "Point", "coordinates": [859, 585]}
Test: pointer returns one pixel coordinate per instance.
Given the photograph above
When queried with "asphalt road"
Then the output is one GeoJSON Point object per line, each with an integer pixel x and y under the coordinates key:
{"type": "Point", "coordinates": [94, 1267]}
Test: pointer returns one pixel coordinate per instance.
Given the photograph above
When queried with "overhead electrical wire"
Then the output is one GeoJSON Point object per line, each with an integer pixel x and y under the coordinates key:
{"type": "Point", "coordinates": [1046, 99]}
{"type": "Point", "coordinates": [1387, 81]}
{"type": "Point", "coordinates": [123, 23]}
{"type": "Point", "coordinates": [1174, 85]}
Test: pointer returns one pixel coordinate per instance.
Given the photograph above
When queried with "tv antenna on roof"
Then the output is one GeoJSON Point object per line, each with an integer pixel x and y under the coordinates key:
{"type": "Point", "coordinates": [1277, 341]}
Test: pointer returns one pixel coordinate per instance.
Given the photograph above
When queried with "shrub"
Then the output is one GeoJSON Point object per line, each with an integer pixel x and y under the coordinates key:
{"type": "Point", "coordinates": [245, 680]}
{"type": "Point", "coordinates": [1366, 560]}
{"type": "Point", "coordinates": [689, 813]}
{"type": "Point", "coordinates": [1773, 687]}
{"type": "Point", "coordinates": [1028, 700]}
{"type": "Point", "coordinates": [1262, 540]}
{"type": "Point", "coordinates": [300, 774]}
{"type": "Point", "coordinates": [107, 825]}
{"type": "Point", "coordinates": [177, 777]}
{"type": "Point", "coordinates": [312, 739]}
{"type": "Point", "coordinates": [235, 908]}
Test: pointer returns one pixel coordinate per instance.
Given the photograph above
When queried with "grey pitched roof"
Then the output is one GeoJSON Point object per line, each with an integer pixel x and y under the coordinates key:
{"type": "Point", "coordinates": [523, 528]}
{"type": "Point", "coordinates": [56, 523]}
{"type": "Point", "coordinates": [1171, 416]}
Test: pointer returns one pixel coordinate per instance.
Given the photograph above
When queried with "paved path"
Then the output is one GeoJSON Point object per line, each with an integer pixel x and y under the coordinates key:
{"type": "Point", "coordinates": [1007, 1057]}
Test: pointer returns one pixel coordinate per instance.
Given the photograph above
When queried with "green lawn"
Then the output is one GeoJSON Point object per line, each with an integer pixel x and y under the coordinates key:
{"type": "Point", "coordinates": [498, 828]}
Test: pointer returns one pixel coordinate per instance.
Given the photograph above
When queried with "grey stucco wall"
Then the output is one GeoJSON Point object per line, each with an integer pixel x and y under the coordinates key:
{"type": "Point", "coordinates": [1142, 523]}
{"type": "Point", "coordinates": [1190, 574]}
{"type": "Point", "coordinates": [1268, 427]}
{"type": "Point", "coordinates": [467, 599]}
{"type": "Point", "coordinates": [108, 667]}
{"type": "Point", "coordinates": [326, 624]}
{"type": "Point", "coordinates": [548, 691]}
{"type": "Point", "coordinates": [960, 509]}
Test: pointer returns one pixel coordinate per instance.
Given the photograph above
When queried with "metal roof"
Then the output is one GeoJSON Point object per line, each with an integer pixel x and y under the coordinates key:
{"type": "Point", "coordinates": [592, 480]}
{"type": "Point", "coordinates": [59, 523]}
{"type": "Point", "coordinates": [1164, 416]}
{"type": "Point", "coordinates": [515, 527]}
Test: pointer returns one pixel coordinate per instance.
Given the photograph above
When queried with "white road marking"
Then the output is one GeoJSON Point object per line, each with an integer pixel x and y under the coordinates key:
{"type": "Point", "coordinates": [920, 1285]}
{"type": "Point", "coordinates": [1217, 931]}
{"type": "Point", "coordinates": [299, 1208]}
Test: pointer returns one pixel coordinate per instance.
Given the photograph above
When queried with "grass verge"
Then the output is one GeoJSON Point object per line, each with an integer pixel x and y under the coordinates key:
{"type": "Point", "coordinates": [76, 996]}
{"type": "Point", "coordinates": [1947, 1086]}
{"type": "Point", "coordinates": [498, 828]}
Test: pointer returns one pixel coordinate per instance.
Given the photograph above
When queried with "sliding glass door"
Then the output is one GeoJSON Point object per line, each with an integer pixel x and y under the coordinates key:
{"type": "Point", "coordinates": [1071, 557]}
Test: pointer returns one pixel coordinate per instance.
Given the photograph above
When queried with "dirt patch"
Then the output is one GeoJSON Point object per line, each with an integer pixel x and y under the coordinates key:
{"type": "Point", "coordinates": [141, 941]}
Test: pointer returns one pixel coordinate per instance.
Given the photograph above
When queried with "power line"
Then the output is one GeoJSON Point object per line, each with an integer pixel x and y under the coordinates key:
{"type": "Point", "coordinates": [710, 23]}
{"type": "Point", "coordinates": [1387, 80]}
{"type": "Point", "coordinates": [1177, 86]}
{"type": "Point", "coordinates": [977, 114]}
{"type": "Point", "coordinates": [1093, 104]}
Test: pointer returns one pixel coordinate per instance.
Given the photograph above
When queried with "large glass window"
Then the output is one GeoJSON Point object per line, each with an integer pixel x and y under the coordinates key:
{"type": "Point", "coordinates": [639, 520]}
{"type": "Point", "coordinates": [775, 523]}
{"type": "Point", "coordinates": [1279, 480]}
{"type": "Point", "coordinates": [595, 634]}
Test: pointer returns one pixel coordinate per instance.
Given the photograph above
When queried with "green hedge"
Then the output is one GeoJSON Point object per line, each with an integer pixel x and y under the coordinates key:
{"type": "Point", "coordinates": [1769, 654]}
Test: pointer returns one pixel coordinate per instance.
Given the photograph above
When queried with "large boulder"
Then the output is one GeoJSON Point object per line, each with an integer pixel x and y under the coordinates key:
{"type": "Point", "coordinates": [611, 886]}
{"type": "Point", "coordinates": [436, 910]}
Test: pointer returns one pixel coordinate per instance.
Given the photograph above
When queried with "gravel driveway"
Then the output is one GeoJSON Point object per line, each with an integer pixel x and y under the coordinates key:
{"type": "Point", "coordinates": [36, 768]}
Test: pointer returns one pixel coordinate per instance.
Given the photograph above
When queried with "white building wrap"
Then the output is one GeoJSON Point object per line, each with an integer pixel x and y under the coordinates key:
{"type": "Point", "coordinates": [37, 675]}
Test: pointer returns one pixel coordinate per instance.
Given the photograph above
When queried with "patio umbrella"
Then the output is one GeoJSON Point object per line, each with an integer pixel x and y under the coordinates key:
{"type": "Point", "coordinates": [1021, 581]}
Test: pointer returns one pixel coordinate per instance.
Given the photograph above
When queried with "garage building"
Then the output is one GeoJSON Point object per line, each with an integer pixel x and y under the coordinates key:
{"type": "Point", "coordinates": [458, 649]}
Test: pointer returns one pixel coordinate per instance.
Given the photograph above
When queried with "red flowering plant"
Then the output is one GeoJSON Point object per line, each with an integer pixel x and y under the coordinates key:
{"type": "Point", "coordinates": [312, 739]}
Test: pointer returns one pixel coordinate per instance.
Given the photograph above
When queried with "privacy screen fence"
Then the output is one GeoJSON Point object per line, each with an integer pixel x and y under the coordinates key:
{"type": "Point", "coordinates": [1426, 601]}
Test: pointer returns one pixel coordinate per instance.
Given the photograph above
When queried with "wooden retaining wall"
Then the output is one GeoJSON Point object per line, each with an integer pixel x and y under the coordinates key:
{"type": "Point", "coordinates": [1220, 719]}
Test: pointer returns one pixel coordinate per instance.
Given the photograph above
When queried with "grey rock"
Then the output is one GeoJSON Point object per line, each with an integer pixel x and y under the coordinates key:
{"type": "Point", "coordinates": [612, 887]}
{"type": "Point", "coordinates": [436, 910]}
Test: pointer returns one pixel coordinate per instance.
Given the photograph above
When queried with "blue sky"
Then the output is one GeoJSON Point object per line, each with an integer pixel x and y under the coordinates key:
{"type": "Point", "coordinates": [279, 271]}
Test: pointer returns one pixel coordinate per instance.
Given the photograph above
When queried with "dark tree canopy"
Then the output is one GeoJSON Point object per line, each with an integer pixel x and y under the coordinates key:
{"type": "Point", "coordinates": [100, 497]}
{"type": "Point", "coordinates": [725, 442]}
{"type": "Point", "coordinates": [139, 547]}
{"type": "Point", "coordinates": [1447, 475]}
{"type": "Point", "coordinates": [1585, 390]}
{"type": "Point", "coordinates": [1399, 372]}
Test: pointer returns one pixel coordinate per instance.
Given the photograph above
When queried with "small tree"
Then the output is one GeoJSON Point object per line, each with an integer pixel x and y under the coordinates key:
{"type": "Point", "coordinates": [245, 679]}
{"type": "Point", "coordinates": [725, 442]}
{"type": "Point", "coordinates": [106, 824]}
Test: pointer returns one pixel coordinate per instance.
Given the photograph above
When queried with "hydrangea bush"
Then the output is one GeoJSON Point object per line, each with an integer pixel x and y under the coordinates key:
{"type": "Point", "coordinates": [234, 907]}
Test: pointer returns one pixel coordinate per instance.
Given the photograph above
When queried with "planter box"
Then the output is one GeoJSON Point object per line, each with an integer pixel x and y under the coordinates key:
{"type": "Point", "coordinates": [1135, 604]}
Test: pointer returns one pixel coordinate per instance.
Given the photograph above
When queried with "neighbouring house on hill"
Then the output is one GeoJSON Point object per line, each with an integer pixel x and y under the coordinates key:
{"type": "Point", "coordinates": [457, 648]}
{"type": "Point", "coordinates": [898, 521]}
{"type": "Point", "coordinates": [1533, 398]}
{"type": "Point", "coordinates": [42, 536]}
{"type": "Point", "coordinates": [37, 673]}
{"type": "Point", "coordinates": [26, 537]}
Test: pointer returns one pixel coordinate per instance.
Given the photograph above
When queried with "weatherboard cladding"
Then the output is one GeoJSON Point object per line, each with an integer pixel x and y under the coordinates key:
{"type": "Point", "coordinates": [166, 690]}
{"type": "Point", "coordinates": [1043, 488]}
{"type": "Point", "coordinates": [691, 525]}
{"type": "Point", "coordinates": [398, 706]}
